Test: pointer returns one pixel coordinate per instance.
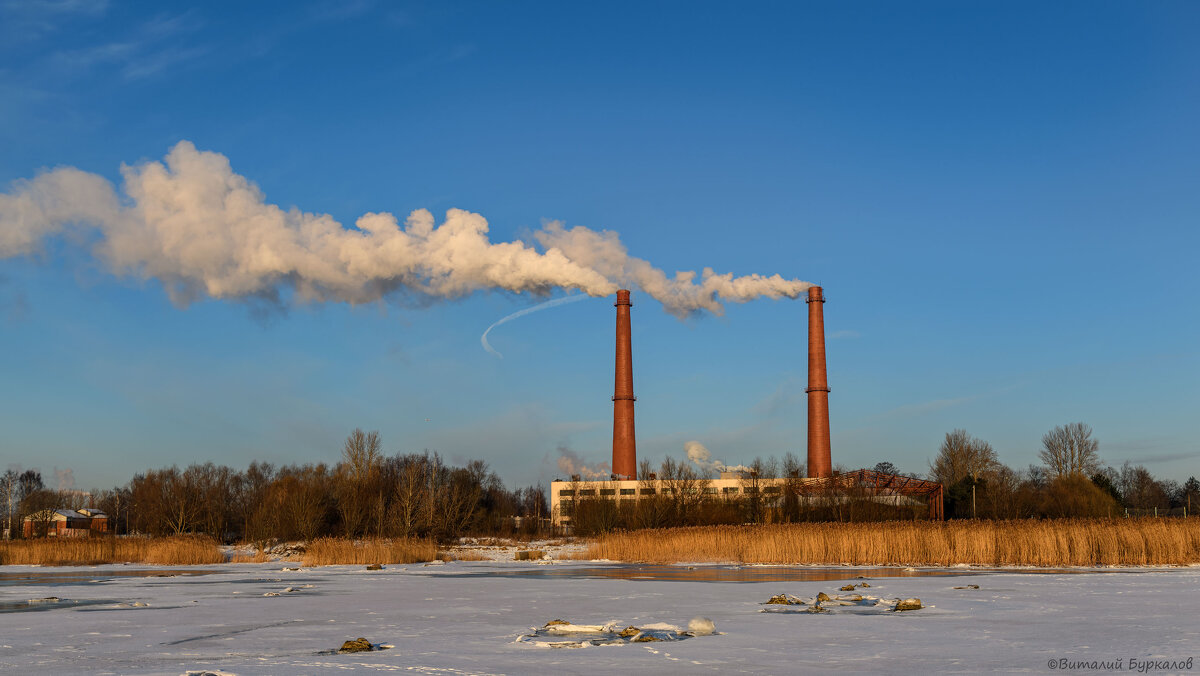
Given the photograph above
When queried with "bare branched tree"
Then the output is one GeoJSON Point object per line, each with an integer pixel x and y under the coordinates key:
{"type": "Point", "coordinates": [686, 488]}
{"type": "Point", "coordinates": [8, 500]}
{"type": "Point", "coordinates": [653, 508]}
{"type": "Point", "coordinates": [363, 454]}
{"type": "Point", "coordinates": [358, 489]}
{"type": "Point", "coordinates": [1140, 490]}
{"type": "Point", "coordinates": [1070, 449]}
{"type": "Point", "coordinates": [409, 494]}
{"type": "Point", "coordinates": [960, 456]}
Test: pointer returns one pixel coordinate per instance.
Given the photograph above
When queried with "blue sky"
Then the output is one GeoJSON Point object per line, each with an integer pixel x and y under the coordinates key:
{"type": "Point", "coordinates": [999, 199]}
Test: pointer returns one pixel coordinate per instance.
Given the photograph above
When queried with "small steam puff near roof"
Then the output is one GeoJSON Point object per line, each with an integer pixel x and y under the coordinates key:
{"type": "Point", "coordinates": [205, 231]}
{"type": "Point", "coordinates": [698, 454]}
{"type": "Point", "coordinates": [570, 464]}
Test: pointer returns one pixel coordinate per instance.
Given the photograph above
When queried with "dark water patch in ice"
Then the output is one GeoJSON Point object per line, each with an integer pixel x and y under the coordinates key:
{"type": "Point", "coordinates": [663, 573]}
{"type": "Point", "coordinates": [59, 577]}
{"type": "Point", "coordinates": [35, 605]}
{"type": "Point", "coordinates": [735, 573]}
{"type": "Point", "coordinates": [144, 607]}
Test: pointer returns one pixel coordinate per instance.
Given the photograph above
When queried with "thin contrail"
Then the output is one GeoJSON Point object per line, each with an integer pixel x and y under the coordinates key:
{"type": "Point", "coordinates": [521, 313]}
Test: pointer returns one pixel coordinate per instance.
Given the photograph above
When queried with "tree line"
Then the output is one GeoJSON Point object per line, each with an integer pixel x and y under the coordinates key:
{"type": "Point", "coordinates": [366, 494]}
{"type": "Point", "coordinates": [1072, 481]}
{"type": "Point", "coordinates": [418, 495]}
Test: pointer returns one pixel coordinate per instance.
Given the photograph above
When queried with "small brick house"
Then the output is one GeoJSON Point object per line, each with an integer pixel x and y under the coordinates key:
{"type": "Point", "coordinates": [65, 523]}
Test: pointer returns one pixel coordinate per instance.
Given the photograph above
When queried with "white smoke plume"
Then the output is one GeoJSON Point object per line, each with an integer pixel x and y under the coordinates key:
{"type": "Point", "coordinates": [203, 230]}
{"type": "Point", "coordinates": [681, 295]}
{"type": "Point", "coordinates": [64, 479]}
{"type": "Point", "coordinates": [699, 454]}
{"type": "Point", "coordinates": [521, 313]}
{"type": "Point", "coordinates": [569, 463]}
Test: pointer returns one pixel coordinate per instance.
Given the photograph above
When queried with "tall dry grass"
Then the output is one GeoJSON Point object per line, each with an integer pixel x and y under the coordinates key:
{"type": "Point", "coordinates": [1061, 542]}
{"type": "Point", "coordinates": [256, 557]}
{"type": "Point", "coordinates": [332, 551]}
{"type": "Point", "coordinates": [97, 550]}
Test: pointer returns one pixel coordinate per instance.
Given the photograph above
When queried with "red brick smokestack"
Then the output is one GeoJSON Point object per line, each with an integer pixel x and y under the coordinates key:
{"type": "Point", "coordinates": [820, 463]}
{"type": "Point", "coordinates": [624, 459]}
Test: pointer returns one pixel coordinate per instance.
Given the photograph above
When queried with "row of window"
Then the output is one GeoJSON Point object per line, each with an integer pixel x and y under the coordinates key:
{"type": "Point", "coordinates": [591, 492]}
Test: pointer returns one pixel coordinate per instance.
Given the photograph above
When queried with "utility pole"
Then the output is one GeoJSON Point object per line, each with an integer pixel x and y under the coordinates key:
{"type": "Point", "coordinates": [974, 480]}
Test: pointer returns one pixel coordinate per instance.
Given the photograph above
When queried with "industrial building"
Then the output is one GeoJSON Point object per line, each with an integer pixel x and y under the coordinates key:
{"type": "Point", "coordinates": [821, 485]}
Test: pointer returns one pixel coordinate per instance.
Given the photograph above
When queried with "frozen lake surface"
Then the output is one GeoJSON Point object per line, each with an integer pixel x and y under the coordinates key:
{"type": "Point", "coordinates": [478, 617]}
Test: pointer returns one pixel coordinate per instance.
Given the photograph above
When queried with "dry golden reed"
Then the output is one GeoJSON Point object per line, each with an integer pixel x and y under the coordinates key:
{"type": "Point", "coordinates": [257, 557]}
{"type": "Point", "coordinates": [333, 551]}
{"type": "Point", "coordinates": [173, 551]}
{"type": "Point", "coordinates": [1061, 542]}
{"type": "Point", "coordinates": [462, 556]}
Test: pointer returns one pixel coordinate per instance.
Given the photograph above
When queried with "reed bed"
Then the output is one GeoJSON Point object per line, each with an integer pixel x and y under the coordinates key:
{"type": "Point", "coordinates": [462, 556]}
{"type": "Point", "coordinates": [174, 551]}
{"type": "Point", "coordinates": [1049, 543]}
{"type": "Point", "coordinates": [256, 557]}
{"type": "Point", "coordinates": [334, 551]}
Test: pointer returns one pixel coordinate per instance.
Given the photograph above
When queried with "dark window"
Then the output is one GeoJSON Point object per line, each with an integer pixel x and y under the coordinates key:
{"type": "Point", "coordinates": [647, 491]}
{"type": "Point", "coordinates": [566, 493]}
{"type": "Point", "coordinates": [628, 491]}
{"type": "Point", "coordinates": [608, 491]}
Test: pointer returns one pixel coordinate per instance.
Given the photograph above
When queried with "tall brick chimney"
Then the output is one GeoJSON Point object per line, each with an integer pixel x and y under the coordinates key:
{"type": "Point", "coordinates": [820, 463]}
{"type": "Point", "coordinates": [624, 457]}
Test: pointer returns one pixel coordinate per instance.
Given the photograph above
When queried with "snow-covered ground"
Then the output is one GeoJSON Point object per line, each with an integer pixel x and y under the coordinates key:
{"type": "Point", "coordinates": [479, 618]}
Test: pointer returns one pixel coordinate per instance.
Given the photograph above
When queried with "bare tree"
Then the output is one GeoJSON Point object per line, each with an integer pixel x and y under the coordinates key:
{"type": "Point", "coordinates": [250, 493]}
{"type": "Point", "coordinates": [885, 467]}
{"type": "Point", "coordinates": [181, 503]}
{"type": "Point", "coordinates": [362, 453]}
{"type": "Point", "coordinates": [1191, 494]}
{"type": "Point", "coordinates": [410, 493]}
{"type": "Point", "coordinates": [962, 456]}
{"type": "Point", "coordinates": [753, 483]}
{"type": "Point", "coordinates": [1070, 449]}
{"type": "Point", "coordinates": [653, 509]}
{"type": "Point", "coordinates": [1139, 489]}
{"type": "Point", "coordinates": [303, 500]}
{"type": "Point", "coordinates": [1003, 493]}
{"type": "Point", "coordinates": [8, 499]}
{"type": "Point", "coordinates": [39, 507]}
{"type": "Point", "coordinates": [686, 488]}
{"type": "Point", "coordinates": [357, 481]}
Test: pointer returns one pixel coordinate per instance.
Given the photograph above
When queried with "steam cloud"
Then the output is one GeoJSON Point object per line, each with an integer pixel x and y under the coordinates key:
{"type": "Point", "coordinates": [698, 454]}
{"type": "Point", "coordinates": [64, 479]}
{"type": "Point", "coordinates": [203, 230]}
{"type": "Point", "coordinates": [569, 463]}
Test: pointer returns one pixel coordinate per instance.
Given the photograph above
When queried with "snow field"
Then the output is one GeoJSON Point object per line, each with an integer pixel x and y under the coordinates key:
{"type": "Point", "coordinates": [461, 618]}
